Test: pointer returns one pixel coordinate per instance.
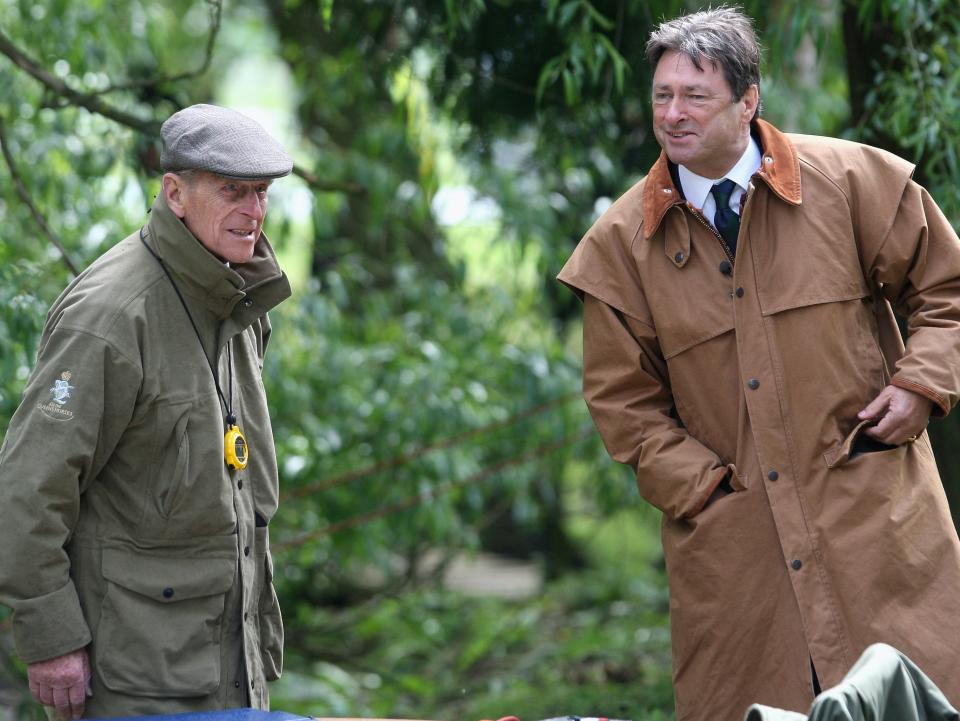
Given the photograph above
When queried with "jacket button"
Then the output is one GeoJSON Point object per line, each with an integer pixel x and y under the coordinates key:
{"type": "Point", "coordinates": [247, 302]}
{"type": "Point", "coordinates": [246, 550]}
{"type": "Point", "coordinates": [251, 685]}
{"type": "Point", "coordinates": [678, 258]}
{"type": "Point", "coordinates": [725, 267]}
{"type": "Point", "coordinates": [773, 475]}
{"type": "Point", "coordinates": [753, 383]}
{"type": "Point", "coordinates": [240, 483]}
{"type": "Point", "coordinates": [796, 564]}
{"type": "Point", "coordinates": [739, 292]}
{"type": "Point", "coordinates": [236, 684]}
{"type": "Point", "coordinates": [168, 592]}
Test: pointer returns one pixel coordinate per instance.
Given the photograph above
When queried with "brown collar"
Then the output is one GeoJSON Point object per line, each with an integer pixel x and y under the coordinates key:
{"type": "Point", "coordinates": [779, 169]}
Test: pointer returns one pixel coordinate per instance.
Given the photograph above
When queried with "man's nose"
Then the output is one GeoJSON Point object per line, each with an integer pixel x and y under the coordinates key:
{"type": "Point", "coordinates": [676, 110]}
{"type": "Point", "coordinates": [254, 206]}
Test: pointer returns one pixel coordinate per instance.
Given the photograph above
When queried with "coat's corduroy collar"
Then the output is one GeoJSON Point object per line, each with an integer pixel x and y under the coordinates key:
{"type": "Point", "coordinates": [780, 170]}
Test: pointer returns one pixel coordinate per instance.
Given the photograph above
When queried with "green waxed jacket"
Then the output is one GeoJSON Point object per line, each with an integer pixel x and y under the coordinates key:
{"type": "Point", "coordinates": [883, 685]}
{"type": "Point", "coordinates": [121, 525]}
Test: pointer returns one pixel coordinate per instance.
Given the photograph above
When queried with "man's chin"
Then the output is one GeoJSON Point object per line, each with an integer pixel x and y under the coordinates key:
{"type": "Point", "coordinates": [241, 251]}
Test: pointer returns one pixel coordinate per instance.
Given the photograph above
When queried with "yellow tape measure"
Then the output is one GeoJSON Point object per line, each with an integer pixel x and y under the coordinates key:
{"type": "Point", "coordinates": [235, 451]}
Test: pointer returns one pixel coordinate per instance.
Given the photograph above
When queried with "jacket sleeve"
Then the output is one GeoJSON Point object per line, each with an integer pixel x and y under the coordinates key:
{"type": "Point", "coordinates": [917, 266]}
{"type": "Point", "coordinates": [626, 386]}
{"type": "Point", "coordinates": [76, 403]}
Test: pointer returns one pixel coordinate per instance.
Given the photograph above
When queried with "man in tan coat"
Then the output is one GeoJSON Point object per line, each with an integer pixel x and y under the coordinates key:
{"type": "Point", "coordinates": [741, 354]}
{"type": "Point", "coordinates": [138, 477]}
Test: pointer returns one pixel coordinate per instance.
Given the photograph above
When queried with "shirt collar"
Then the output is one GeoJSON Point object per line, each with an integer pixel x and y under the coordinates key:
{"type": "Point", "coordinates": [780, 173]}
{"type": "Point", "coordinates": [696, 188]}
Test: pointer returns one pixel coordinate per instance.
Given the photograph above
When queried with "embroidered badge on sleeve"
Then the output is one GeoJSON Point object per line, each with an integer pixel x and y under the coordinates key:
{"type": "Point", "coordinates": [60, 395]}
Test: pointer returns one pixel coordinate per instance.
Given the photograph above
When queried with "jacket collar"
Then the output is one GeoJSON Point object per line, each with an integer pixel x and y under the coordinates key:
{"type": "Point", "coordinates": [260, 283]}
{"type": "Point", "coordinates": [779, 169]}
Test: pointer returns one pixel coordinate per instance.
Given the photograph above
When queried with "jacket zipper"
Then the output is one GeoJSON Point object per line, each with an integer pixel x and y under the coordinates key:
{"type": "Point", "coordinates": [723, 244]}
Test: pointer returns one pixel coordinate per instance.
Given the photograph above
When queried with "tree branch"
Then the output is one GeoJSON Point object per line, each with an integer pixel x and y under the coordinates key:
{"type": "Point", "coordinates": [28, 201]}
{"type": "Point", "coordinates": [151, 128]}
{"type": "Point", "coordinates": [216, 11]}
{"type": "Point", "coordinates": [328, 186]}
{"type": "Point", "coordinates": [59, 87]}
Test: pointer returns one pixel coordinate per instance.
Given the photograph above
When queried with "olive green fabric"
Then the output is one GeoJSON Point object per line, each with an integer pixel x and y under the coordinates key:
{"type": "Point", "coordinates": [121, 525]}
{"type": "Point", "coordinates": [884, 685]}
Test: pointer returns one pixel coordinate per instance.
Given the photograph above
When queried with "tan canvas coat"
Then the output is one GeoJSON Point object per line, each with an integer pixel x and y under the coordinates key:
{"type": "Point", "coordinates": [693, 375]}
{"type": "Point", "coordinates": [120, 524]}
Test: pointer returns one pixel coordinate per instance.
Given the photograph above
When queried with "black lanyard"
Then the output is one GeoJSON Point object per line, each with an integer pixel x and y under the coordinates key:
{"type": "Point", "coordinates": [231, 419]}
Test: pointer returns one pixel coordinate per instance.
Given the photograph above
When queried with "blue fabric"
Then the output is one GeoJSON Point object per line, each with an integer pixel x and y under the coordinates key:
{"type": "Point", "coordinates": [238, 714]}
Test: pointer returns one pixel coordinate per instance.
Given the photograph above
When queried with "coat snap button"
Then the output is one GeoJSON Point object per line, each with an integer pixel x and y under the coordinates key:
{"type": "Point", "coordinates": [796, 564]}
{"type": "Point", "coordinates": [168, 592]}
{"type": "Point", "coordinates": [773, 475]}
{"type": "Point", "coordinates": [739, 292]}
{"type": "Point", "coordinates": [753, 383]}
{"type": "Point", "coordinates": [678, 258]}
{"type": "Point", "coordinates": [247, 302]}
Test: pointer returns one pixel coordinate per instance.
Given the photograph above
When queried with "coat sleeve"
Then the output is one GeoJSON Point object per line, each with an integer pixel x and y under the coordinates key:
{"type": "Point", "coordinates": [76, 403]}
{"type": "Point", "coordinates": [626, 386]}
{"type": "Point", "coordinates": [916, 263]}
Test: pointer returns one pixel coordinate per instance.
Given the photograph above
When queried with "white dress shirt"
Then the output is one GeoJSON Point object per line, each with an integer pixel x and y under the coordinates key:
{"type": "Point", "coordinates": [696, 188]}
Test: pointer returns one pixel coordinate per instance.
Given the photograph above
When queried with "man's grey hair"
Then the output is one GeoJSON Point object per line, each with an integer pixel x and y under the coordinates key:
{"type": "Point", "coordinates": [724, 36]}
{"type": "Point", "coordinates": [190, 175]}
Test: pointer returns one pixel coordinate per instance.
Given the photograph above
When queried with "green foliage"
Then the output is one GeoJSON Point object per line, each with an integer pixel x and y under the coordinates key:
{"type": "Point", "coordinates": [588, 50]}
{"type": "Point", "coordinates": [424, 379]}
{"type": "Point", "coordinates": [598, 641]}
{"type": "Point", "coordinates": [368, 382]}
{"type": "Point", "coordinates": [21, 316]}
{"type": "Point", "coordinates": [914, 99]}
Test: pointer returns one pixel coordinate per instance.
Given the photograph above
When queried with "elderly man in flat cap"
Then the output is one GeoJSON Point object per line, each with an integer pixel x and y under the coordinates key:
{"type": "Point", "coordinates": [138, 477]}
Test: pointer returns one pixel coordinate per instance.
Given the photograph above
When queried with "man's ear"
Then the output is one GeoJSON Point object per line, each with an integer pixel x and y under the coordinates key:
{"type": "Point", "coordinates": [174, 188]}
{"type": "Point", "coordinates": [751, 100]}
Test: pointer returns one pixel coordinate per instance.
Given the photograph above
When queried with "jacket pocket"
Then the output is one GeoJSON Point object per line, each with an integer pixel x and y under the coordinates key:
{"type": "Point", "coordinates": [271, 623]}
{"type": "Point", "coordinates": [855, 444]}
{"type": "Point", "coordinates": [171, 456]}
{"type": "Point", "coordinates": [159, 628]}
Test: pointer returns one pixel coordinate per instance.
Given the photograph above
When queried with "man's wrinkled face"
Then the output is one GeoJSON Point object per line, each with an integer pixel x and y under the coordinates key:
{"type": "Point", "coordinates": [695, 119]}
{"type": "Point", "coordinates": [224, 214]}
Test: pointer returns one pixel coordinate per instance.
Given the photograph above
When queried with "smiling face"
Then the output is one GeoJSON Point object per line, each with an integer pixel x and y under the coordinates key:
{"type": "Point", "coordinates": [225, 215]}
{"type": "Point", "coordinates": [695, 119]}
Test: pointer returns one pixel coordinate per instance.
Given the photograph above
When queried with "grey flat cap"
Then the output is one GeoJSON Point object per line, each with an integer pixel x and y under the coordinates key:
{"type": "Point", "coordinates": [221, 141]}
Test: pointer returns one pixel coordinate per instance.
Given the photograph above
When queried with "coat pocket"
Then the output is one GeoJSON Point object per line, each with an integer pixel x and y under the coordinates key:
{"type": "Point", "coordinates": [171, 457]}
{"type": "Point", "coordinates": [159, 628]}
{"type": "Point", "coordinates": [855, 444]}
